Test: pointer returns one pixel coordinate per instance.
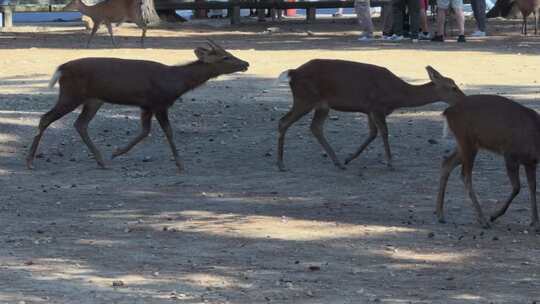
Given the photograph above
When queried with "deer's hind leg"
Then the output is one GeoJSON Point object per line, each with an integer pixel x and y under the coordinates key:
{"type": "Point", "coordinates": [89, 110]}
{"type": "Point", "coordinates": [512, 170]}
{"type": "Point", "coordinates": [372, 135]}
{"type": "Point", "coordinates": [317, 124]}
{"type": "Point", "coordinates": [146, 121]}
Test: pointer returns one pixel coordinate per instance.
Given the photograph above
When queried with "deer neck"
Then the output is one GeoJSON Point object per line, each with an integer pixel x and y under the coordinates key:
{"type": "Point", "coordinates": [194, 74]}
{"type": "Point", "coordinates": [418, 95]}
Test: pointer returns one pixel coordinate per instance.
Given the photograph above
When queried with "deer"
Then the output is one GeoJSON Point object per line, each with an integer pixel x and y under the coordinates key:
{"type": "Point", "coordinates": [504, 8]}
{"type": "Point", "coordinates": [347, 86]}
{"type": "Point", "coordinates": [149, 85]}
{"type": "Point", "coordinates": [499, 125]}
{"type": "Point", "coordinates": [140, 12]}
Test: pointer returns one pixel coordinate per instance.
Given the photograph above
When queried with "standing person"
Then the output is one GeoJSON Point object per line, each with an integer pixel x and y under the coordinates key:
{"type": "Point", "coordinates": [479, 11]}
{"type": "Point", "coordinates": [424, 35]}
{"type": "Point", "coordinates": [363, 13]}
{"type": "Point", "coordinates": [413, 7]}
{"type": "Point", "coordinates": [442, 8]}
{"type": "Point", "coordinates": [387, 20]}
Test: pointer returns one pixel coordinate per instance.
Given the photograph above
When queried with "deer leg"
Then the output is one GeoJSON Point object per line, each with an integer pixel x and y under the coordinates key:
{"type": "Point", "coordinates": [94, 30]}
{"type": "Point", "coordinates": [146, 121]}
{"type": "Point", "coordinates": [530, 170]}
{"type": "Point", "coordinates": [317, 125]}
{"type": "Point", "coordinates": [57, 112]}
{"type": "Point", "coordinates": [512, 169]}
{"type": "Point", "coordinates": [448, 165]}
{"type": "Point", "coordinates": [535, 14]}
{"type": "Point", "coordinates": [142, 37]}
{"type": "Point", "coordinates": [284, 123]}
{"type": "Point", "coordinates": [380, 121]}
{"type": "Point", "coordinates": [163, 119]}
{"type": "Point", "coordinates": [467, 157]}
{"type": "Point", "coordinates": [109, 28]}
{"type": "Point", "coordinates": [372, 135]}
{"type": "Point", "coordinates": [81, 125]}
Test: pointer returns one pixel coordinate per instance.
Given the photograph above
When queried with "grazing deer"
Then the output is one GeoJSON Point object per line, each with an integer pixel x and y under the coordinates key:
{"type": "Point", "coordinates": [152, 86]}
{"type": "Point", "coordinates": [140, 12]}
{"type": "Point", "coordinates": [499, 125]}
{"type": "Point", "coordinates": [347, 86]}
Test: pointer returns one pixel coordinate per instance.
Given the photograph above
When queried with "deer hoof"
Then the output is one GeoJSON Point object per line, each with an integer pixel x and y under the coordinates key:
{"type": "Point", "coordinates": [485, 224]}
{"type": "Point", "coordinates": [29, 165]}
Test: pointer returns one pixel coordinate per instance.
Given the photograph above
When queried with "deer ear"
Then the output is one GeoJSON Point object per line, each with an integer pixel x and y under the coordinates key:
{"type": "Point", "coordinates": [201, 53]}
{"type": "Point", "coordinates": [433, 74]}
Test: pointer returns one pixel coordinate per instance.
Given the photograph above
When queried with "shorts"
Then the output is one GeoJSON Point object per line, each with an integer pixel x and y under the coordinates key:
{"type": "Point", "coordinates": [424, 5]}
{"type": "Point", "coordinates": [444, 4]}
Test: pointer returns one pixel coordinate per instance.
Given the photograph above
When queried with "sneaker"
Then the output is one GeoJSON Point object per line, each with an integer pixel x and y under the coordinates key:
{"type": "Point", "coordinates": [337, 15]}
{"type": "Point", "coordinates": [437, 38]}
{"type": "Point", "coordinates": [424, 36]}
{"type": "Point", "coordinates": [414, 40]}
{"type": "Point", "coordinates": [396, 37]}
{"type": "Point", "coordinates": [365, 38]}
{"type": "Point", "coordinates": [478, 34]}
{"type": "Point", "coordinates": [461, 38]}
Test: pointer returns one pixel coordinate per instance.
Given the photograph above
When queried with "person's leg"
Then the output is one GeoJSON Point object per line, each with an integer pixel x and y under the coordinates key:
{"type": "Point", "coordinates": [460, 20]}
{"type": "Point", "coordinates": [397, 12]}
{"type": "Point", "coordinates": [479, 11]}
{"type": "Point", "coordinates": [423, 16]}
{"type": "Point", "coordinates": [363, 13]}
{"type": "Point", "coordinates": [441, 19]}
{"type": "Point", "coordinates": [386, 13]}
{"type": "Point", "coordinates": [414, 17]}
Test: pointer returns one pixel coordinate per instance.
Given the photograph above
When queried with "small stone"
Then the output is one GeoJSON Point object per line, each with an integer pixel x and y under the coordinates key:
{"type": "Point", "coordinates": [147, 159]}
{"type": "Point", "coordinates": [432, 141]}
{"type": "Point", "coordinates": [431, 235]}
{"type": "Point", "coordinates": [314, 268]}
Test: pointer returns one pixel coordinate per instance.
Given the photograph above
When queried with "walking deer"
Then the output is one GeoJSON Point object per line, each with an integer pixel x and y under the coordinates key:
{"type": "Point", "coordinates": [499, 125]}
{"type": "Point", "coordinates": [347, 86]}
{"type": "Point", "coordinates": [152, 86]}
{"type": "Point", "coordinates": [140, 12]}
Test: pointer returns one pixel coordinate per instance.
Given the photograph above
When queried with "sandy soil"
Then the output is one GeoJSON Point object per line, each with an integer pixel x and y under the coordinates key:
{"type": "Point", "coordinates": [231, 228]}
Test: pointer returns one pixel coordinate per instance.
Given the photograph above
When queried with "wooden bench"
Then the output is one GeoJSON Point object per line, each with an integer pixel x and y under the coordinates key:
{"type": "Point", "coordinates": [232, 6]}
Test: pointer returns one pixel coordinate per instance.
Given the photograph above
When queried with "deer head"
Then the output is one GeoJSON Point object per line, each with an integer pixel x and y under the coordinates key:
{"type": "Point", "coordinates": [446, 88]}
{"type": "Point", "coordinates": [222, 60]}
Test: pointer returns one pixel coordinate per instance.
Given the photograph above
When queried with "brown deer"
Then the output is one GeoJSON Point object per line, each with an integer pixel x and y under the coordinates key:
{"type": "Point", "coordinates": [505, 8]}
{"type": "Point", "coordinates": [140, 12]}
{"type": "Point", "coordinates": [499, 125]}
{"type": "Point", "coordinates": [347, 86]}
{"type": "Point", "coordinates": [152, 86]}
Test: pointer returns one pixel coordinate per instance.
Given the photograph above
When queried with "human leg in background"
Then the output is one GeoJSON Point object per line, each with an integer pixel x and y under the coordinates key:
{"type": "Point", "coordinates": [363, 13]}
{"type": "Point", "coordinates": [479, 11]}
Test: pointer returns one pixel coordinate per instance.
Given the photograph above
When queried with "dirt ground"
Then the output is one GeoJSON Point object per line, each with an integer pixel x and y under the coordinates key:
{"type": "Point", "coordinates": [231, 228]}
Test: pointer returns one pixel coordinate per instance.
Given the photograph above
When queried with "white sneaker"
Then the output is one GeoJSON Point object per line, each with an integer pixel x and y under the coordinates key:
{"type": "Point", "coordinates": [365, 38]}
{"type": "Point", "coordinates": [386, 37]}
{"type": "Point", "coordinates": [424, 36]}
{"type": "Point", "coordinates": [396, 37]}
{"type": "Point", "coordinates": [478, 34]}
